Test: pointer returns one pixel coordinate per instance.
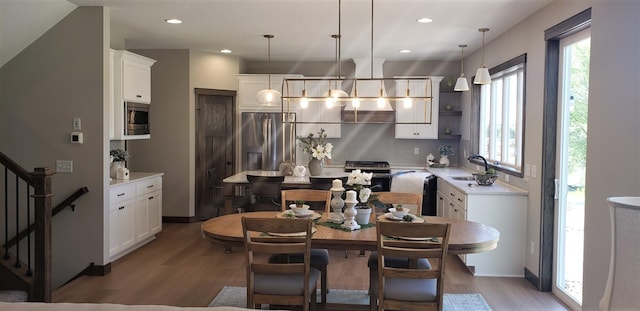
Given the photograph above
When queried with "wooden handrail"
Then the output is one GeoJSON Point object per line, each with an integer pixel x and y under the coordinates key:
{"type": "Point", "coordinates": [16, 169]}
{"type": "Point", "coordinates": [62, 205]}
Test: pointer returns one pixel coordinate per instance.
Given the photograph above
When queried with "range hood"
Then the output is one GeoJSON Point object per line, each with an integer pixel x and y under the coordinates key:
{"type": "Point", "coordinates": [369, 88]}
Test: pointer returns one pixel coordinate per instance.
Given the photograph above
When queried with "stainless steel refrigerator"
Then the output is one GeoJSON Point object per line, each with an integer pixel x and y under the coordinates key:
{"type": "Point", "coordinates": [267, 140]}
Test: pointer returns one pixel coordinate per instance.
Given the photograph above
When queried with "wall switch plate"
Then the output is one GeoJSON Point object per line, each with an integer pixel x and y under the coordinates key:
{"type": "Point", "coordinates": [416, 150]}
{"type": "Point", "coordinates": [64, 166]}
{"type": "Point", "coordinates": [77, 124]}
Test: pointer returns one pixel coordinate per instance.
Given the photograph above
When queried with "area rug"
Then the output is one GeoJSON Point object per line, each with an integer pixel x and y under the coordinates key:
{"type": "Point", "coordinates": [234, 296]}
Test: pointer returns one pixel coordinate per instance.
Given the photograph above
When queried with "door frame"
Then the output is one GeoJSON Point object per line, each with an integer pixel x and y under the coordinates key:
{"type": "Point", "coordinates": [552, 36]}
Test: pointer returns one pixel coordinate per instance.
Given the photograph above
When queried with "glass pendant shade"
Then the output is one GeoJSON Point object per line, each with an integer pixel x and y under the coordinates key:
{"type": "Point", "coordinates": [332, 97]}
{"type": "Point", "coordinates": [268, 97]}
{"type": "Point", "coordinates": [482, 76]}
{"type": "Point", "coordinates": [461, 84]}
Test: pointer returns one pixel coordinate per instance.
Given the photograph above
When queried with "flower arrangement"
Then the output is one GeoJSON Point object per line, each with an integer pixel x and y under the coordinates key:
{"type": "Point", "coordinates": [445, 150]}
{"type": "Point", "coordinates": [358, 180]}
{"type": "Point", "coordinates": [119, 155]}
{"type": "Point", "coordinates": [316, 146]}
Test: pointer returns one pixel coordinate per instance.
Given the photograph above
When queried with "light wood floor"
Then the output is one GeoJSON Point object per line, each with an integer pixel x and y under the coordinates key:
{"type": "Point", "coordinates": [180, 268]}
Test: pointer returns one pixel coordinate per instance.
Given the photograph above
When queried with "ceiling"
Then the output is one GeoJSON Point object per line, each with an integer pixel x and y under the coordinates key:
{"type": "Point", "coordinates": [303, 28]}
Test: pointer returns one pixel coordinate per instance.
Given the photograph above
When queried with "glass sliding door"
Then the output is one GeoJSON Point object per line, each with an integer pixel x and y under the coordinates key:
{"type": "Point", "coordinates": [570, 170]}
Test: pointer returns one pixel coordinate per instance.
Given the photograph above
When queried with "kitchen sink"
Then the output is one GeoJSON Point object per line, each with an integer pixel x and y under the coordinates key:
{"type": "Point", "coordinates": [462, 178]}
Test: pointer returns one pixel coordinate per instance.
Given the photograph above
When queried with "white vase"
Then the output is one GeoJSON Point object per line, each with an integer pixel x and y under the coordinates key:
{"type": "Point", "coordinates": [362, 218]}
{"type": "Point", "coordinates": [444, 160]}
{"type": "Point", "coordinates": [115, 167]}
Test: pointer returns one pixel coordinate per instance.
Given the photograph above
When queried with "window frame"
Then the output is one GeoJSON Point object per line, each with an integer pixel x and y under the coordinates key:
{"type": "Point", "coordinates": [502, 69]}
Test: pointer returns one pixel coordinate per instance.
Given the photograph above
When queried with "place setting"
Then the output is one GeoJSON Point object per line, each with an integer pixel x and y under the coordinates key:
{"type": "Point", "coordinates": [400, 214]}
{"type": "Point", "coordinates": [299, 211]}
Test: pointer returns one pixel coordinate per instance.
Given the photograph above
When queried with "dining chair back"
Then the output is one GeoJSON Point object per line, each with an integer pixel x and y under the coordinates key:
{"type": "Point", "coordinates": [266, 190]}
{"type": "Point", "coordinates": [408, 200]}
{"type": "Point", "coordinates": [420, 285]}
{"type": "Point", "coordinates": [324, 183]}
{"type": "Point", "coordinates": [321, 198]}
{"type": "Point", "coordinates": [290, 284]}
{"type": "Point", "coordinates": [319, 256]}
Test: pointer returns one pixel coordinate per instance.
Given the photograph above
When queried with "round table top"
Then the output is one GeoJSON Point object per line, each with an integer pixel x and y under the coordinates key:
{"type": "Point", "coordinates": [466, 236]}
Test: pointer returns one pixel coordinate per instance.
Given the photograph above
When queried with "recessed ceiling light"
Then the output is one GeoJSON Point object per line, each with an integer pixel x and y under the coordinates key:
{"type": "Point", "coordinates": [424, 20]}
{"type": "Point", "coordinates": [405, 51]}
{"type": "Point", "coordinates": [225, 51]}
{"type": "Point", "coordinates": [173, 21]}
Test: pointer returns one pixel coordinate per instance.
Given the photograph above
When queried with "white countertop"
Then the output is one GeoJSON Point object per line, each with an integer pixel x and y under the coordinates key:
{"type": "Point", "coordinates": [241, 178]}
{"type": "Point", "coordinates": [470, 186]}
{"type": "Point", "coordinates": [133, 177]}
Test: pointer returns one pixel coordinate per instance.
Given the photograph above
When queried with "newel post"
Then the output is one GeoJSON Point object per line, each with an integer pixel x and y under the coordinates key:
{"type": "Point", "coordinates": [42, 264]}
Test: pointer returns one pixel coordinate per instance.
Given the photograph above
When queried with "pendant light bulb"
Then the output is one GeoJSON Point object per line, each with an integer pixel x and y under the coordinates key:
{"type": "Point", "coordinates": [461, 83]}
{"type": "Point", "coordinates": [482, 74]}
{"type": "Point", "coordinates": [407, 102]}
{"type": "Point", "coordinates": [356, 101]}
{"type": "Point", "coordinates": [268, 96]}
{"type": "Point", "coordinates": [304, 101]}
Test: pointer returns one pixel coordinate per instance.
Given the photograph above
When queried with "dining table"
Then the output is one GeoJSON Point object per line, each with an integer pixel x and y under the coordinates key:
{"type": "Point", "coordinates": [466, 236]}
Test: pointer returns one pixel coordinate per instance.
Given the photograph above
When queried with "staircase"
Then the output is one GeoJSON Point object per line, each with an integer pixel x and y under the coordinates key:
{"type": "Point", "coordinates": [25, 267]}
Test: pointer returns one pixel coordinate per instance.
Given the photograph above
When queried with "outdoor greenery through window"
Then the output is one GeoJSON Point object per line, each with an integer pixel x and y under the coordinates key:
{"type": "Point", "coordinates": [500, 117]}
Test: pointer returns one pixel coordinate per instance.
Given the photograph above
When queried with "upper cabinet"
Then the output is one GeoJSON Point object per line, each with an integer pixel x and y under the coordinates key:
{"type": "Point", "coordinates": [130, 82]}
{"type": "Point", "coordinates": [418, 112]}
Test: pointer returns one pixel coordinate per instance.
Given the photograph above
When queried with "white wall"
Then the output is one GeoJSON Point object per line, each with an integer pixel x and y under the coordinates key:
{"type": "Point", "coordinates": [60, 76]}
{"type": "Point", "coordinates": [613, 147]}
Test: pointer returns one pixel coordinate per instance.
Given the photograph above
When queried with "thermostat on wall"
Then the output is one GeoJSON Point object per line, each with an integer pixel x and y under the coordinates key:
{"type": "Point", "coordinates": [76, 138]}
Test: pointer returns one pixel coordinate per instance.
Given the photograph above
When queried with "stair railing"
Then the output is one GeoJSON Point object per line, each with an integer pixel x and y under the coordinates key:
{"type": "Point", "coordinates": [31, 188]}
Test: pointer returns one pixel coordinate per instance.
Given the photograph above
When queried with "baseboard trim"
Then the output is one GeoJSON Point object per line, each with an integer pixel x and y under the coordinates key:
{"type": "Point", "coordinates": [175, 219]}
{"type": "Point", "coordinates": [532, 278]}
{"type": "Point", "coordinates": [99, 270]}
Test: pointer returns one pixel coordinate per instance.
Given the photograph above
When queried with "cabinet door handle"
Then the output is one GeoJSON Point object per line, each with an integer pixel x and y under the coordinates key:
{"type": "Point", "coordinates": [139, 96]}
{"type": "Point", "coordinates": [121, 207]}
{"type": "Point", "coordinates": [150, 186]}
{"type": "Point", "coordinates": [459, 200]}
{"type": "Point", "coordinates": [150, 198]}
{"type": "Point", "coordinates": [120, 194]}
{"type": "Point", "coordinates": [451, 194]}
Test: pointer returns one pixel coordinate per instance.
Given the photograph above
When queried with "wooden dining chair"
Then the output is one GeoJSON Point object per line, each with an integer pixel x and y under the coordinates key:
{"type": "Point", "coordinates": [420, 285]}
{"type": "Point", "coordinates": [319, 257]}
{"type": "Point", "coordinates": [291, 284]}
{"type": "Point", "coordinates": [413, 201]}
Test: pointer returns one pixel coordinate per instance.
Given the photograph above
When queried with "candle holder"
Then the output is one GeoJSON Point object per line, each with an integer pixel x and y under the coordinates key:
{"type": "Point", "coordinates": [350, 212]}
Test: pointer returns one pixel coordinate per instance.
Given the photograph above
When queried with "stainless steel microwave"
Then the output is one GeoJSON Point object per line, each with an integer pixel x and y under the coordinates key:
{"type": "Point", "coordinates": [136, 118]}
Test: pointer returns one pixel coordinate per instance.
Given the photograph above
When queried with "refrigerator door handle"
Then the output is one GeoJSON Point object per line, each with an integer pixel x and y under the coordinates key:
{"type": "Point", "coordinates": [266, 142]}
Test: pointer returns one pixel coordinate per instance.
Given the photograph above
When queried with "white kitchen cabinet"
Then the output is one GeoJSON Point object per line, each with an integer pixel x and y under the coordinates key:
{"type": "Point", "coordinates": [317, 111]}
{"type": "Point", "coordinates": [135, 214]}
{"type": "Point", "coordinates": [504, 212]}
{"type": "Point", "coordinates": [250, 84]}
{"type": "Point", "coordinates": [131, 79]}
{"type": "Point", "coordinates": [418, 112]}
{"type": "Point", "coordinates": [122, 218]}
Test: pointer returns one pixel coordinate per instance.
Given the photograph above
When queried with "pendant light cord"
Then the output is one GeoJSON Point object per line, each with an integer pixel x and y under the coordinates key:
{"type": "Point", "coordinates": [371, 39]}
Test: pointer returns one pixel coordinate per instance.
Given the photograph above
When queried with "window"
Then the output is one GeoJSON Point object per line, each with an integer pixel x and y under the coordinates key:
{"type": "Point", "coordinates": [501, 116]}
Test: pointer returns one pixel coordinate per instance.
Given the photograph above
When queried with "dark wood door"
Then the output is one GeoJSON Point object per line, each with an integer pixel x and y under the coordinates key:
{"type": "Point", "coordinates": [214, 148]}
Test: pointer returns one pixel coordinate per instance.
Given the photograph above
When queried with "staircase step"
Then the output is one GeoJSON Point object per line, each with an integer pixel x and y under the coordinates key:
{"type": "Point", "coordinates": [13, 296]}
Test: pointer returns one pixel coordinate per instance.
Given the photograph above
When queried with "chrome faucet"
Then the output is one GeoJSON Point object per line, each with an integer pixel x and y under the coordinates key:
{"type": "Point", "coordinates": [477, 156]}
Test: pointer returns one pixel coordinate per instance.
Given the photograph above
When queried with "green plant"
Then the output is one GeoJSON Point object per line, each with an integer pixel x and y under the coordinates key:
{"type": "Point", "coordinates": [119, 155]}
{"type": "Point", "coordinates": [299, 203]}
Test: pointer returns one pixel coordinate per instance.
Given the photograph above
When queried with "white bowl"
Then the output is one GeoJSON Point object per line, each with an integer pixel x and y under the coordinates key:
{"type": "Point", "coordinates": [399, 214]}
{"type": "Point", "coordinates": [299, 210]}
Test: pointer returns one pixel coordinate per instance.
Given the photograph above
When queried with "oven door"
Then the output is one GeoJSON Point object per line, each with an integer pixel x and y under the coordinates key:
{"type": "Point", "coordinates": [137, 119]}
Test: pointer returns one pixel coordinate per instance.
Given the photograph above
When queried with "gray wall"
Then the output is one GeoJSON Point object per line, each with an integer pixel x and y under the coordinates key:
{"type": "Point", "coordinates": [60, 76]}
{"type": "Point", "coordinates": [168, 149]}
{"type": "Point", "coordinates": [613, 146]}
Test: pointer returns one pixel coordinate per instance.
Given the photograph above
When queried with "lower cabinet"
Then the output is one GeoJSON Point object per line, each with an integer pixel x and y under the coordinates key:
{"type": "Point", "coordinates": [135, 215]}
{"type": "Point", "coordinates": [504, 212]}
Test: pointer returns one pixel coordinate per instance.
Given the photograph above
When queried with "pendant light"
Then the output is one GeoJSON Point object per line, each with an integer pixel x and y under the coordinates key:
{"type": "Point", "coordinates": [461, 83]}
{"type": "Point", "coordinates": [268, 96]}
{"type": "Point", "coordinates": [482, 75]}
